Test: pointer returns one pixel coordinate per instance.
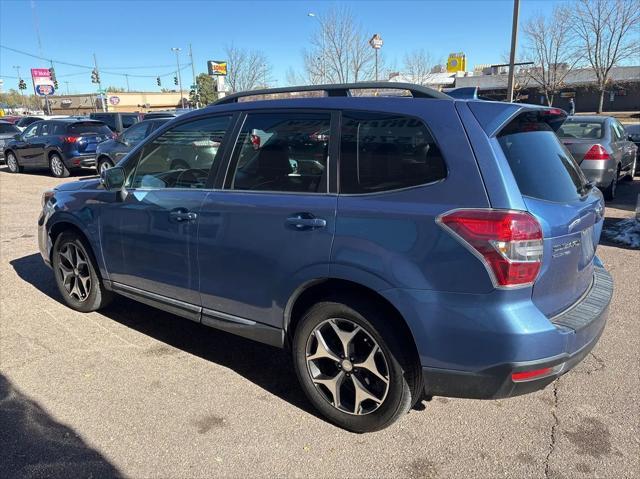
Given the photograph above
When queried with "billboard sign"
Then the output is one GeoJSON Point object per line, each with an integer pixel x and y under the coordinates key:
{"type": "Point", "coordinates": [42, 82]}
{"type": "Point", "coordinates": [217, 68]}
{"type": "Point", "coordinates": [114, 100]}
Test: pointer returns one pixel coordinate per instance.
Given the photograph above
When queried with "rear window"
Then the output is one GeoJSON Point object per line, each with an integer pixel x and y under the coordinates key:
{"type": "Point", "coordinates": [88, 128]}
{"type": "Point", "coordinates": [581, 129]}
{"type": "Point", "coordinates": [129, 120]}
{"type": "Point", "coordinates": [6, 128]}
{"type": "Point", "coordinates": [541, 165]}
{"type": "Point", "coordinates": [383, 151]}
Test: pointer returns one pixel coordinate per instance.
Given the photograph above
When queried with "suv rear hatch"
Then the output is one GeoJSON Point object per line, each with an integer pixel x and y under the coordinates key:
{"type": "Point", "coordinates": [556, 192]}
{"type": "Point", "coordinates": [87, 134]}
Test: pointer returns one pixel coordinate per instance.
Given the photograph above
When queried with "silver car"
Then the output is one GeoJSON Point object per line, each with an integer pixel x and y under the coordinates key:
{"type": "Point", "coordinates": [7, 132]}
{"type": "Point", "coordinates": [602, 148]}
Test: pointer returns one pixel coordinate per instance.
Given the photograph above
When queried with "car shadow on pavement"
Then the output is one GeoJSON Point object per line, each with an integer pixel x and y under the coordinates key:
{"type": "Point", "coordinates": [608, 231]}
{"type": "Point", "coordinates": [268, 367]}
{"type": "Point", "coordinates": [79, 174]}
{"type": "Point", "coordinates": [33, 444]}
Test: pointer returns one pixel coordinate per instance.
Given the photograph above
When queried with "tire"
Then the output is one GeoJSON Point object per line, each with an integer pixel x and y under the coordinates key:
{"type": "Point", "coordinates": [12, 163]}
{"type": "Point", "coordinates": [610, 191]}
{"type": "Point", "coordinates": [104, 164]}
{"type": "Point", "coordinates": [79, 284]}
{"type": "Point", "coordinates": [391, 360]}
{"type": "Point", "coordinates": [57, 166]}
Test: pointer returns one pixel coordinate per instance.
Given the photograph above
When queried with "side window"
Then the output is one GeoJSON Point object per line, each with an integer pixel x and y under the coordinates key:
{"type": "Point", "coordinates": [30, 131]}
{"type": "Point", "coordinates": [282, 152]}
{"type": "Point", "coordinates": [615, 135]}
{"type": "Point", "coordinates": [381, 152]}
{"type": "Point", "coordinates": [135, 134]}
{"type": "Point", "coordinates": [109, 120]}
{"type": "Point", "coordinates": [620, 129]}
{"type": "Point", "coordinates": [182, 156]}
{"type": "Point", "coordinates": [47, 129]}
{"type": "Point", "coordinates": [129, 120]}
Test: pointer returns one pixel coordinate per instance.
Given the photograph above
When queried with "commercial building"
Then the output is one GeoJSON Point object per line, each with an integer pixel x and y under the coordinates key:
{"type": "Point", "coordinates": [115, 101]}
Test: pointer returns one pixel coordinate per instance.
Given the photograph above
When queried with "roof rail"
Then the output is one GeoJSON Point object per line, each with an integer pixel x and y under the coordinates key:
{"type": "Point", "coordinates": [339, 89]}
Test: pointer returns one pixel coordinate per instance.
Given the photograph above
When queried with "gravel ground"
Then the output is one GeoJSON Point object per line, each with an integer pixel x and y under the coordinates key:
{"type": "Point", "coordinates": [135, 392]}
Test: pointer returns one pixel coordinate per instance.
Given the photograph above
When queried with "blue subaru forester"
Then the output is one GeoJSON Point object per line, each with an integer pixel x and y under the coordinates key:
{"type": "Point", "coordinates": [400, 247]}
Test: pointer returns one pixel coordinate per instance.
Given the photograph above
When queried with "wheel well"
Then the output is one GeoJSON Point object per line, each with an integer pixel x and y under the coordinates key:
{"type": "Point", "coordinates": [59, 228]}
{"type": "Point", "coordinates": [51, 153]}
{"type": "Point", "coordinates": [102, 158]}
{"type": "Point", "coordinates": [341, 290]}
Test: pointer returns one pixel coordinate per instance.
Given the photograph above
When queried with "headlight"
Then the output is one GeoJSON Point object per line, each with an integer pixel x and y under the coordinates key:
{"type": "Point", "coordinates": [46, 196]}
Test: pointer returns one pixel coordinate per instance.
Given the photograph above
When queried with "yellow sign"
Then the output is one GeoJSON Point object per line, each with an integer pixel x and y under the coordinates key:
{"type": "Point", "coordinates": [457, 62]}
{"type": "Point", "coordinates": [217, 68]}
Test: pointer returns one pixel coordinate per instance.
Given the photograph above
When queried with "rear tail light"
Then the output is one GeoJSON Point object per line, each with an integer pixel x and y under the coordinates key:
{"type": "Point", "coordinates": [509, 243]}
{"type": "Point", "coordinates": [530, 375]}
{"type": "Point", "coordinates": [71, 139]}
{"type": "Point", "coordinates": [597, 152]}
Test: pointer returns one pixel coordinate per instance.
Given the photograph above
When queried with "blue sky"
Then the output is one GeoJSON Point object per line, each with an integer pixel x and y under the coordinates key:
{"type": "Point", "coordinates": [141, 33]}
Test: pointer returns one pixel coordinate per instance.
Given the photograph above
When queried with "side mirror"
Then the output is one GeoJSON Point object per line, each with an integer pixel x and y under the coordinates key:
{"type": "Point", "coordinates": [113, 178]}
{"type": "Point", "coordinates": [17, 136]}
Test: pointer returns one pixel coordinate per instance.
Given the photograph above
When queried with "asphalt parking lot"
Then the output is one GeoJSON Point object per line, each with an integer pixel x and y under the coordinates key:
{"type": "Point", "coordinates": [136, 392]}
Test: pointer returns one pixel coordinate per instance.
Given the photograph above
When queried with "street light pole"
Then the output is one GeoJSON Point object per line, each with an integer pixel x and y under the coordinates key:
{"type": "Point", "coordinates": [376, 43]}
{"type": "Point", "coordinates": [323, 65]}
{"type": "Point", "coordinates": [67, 84]}
{"type": "Point", "coordinates": [193, 74]}
{"type": "Point", "coordinates": [178, 50]}
{"type": "Point", "coordinates": [512, 55]}
{"type": "Point", "coordinates": [103, 96]}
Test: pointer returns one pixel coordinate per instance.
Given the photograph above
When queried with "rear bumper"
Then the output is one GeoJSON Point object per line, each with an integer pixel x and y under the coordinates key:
{"type": "Point", "coordinates": [84, 161]}
{"type": "Point", "coordinates": [585, 320]}
{"type": "Point", "coordinates": [601, 175]}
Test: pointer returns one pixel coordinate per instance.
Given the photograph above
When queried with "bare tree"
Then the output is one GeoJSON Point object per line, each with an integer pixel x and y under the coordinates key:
{"type": "Point", "coordinates": [339, 50]}
{"type": "Point", "coordinates": [247, 69]}
{"type": "Point", "coordinates": [418, 65]}
{"type": "Point", "coordinates": [607, 32]}
{"type": "Point", "coordinates": [549, 44]}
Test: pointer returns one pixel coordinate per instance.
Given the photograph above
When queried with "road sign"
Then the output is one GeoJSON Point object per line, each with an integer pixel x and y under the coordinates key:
{"type": "Point", "coordinates": [42, 81]}
{"type": "Point", "coordinates": [376, 42]}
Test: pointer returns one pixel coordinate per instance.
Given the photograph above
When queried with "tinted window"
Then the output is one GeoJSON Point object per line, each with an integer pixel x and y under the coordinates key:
{"type": "Point", "coordinates": [129, 120]}
{"type": "Point", "coordinates": [581, 129]}
{"type": "Point", "coordinates": [47, 128]}
{"type": "Point", "coordinates": [6, 128]}
{"type": "Point", "coordinates": [136, 133]}
{"type": "Point", "coordinates": [541, 165]}
{"type": "Point", "coordinates": [282, 152]}
{"type": "Point", "coordinates": [89, 128]}
{"type": "Point", "coordinates": [382, 152]}
{"type": "Point", "coordinates": [182, 156]}
{"type": "Point", "coordinates": [109, 120]}
{"type": "Point", "coordinates": [26, 121]}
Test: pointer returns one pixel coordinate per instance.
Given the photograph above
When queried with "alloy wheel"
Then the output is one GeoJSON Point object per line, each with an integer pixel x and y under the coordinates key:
{"type": "Point", "coordinates": [104, 166]}
{"type": "Point", "coordinates": [12, 163]}
{"type": "Point", "coordinates": [347, 366]}
{"type": "Point", "coordinates": [56, 166]}
{"type": "Point", "coordinates": [75, 272]}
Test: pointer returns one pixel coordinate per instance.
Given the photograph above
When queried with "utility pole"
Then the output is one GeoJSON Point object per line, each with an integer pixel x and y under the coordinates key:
{"type": "Point", "coordinates": [193, 73]}
{"type": "Point", "coordinates": [103, 102]}
{"type": "Point", "coordinates": [17, 67]}
{"type": "Point", "coordinates": [512, 55]}
{"type": "Point", "coordinates": [376, 43]}
{"type": "Point", "coordinates": [178, 50]}
{"type": "Point", "coordinates": [67, 84]}
{"type": "Point", "coordinates": [127, 78]}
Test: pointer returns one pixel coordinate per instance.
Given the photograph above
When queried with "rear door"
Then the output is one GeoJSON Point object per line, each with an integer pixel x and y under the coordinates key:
{"type": "Point", "coordinates": [271, 228]}
{"type": "Point", "coordinates": [28, 149]}
{"type": "Point", "coordinates": [627, 149]}
{"type": "Point", "coordinates": [571, 214]}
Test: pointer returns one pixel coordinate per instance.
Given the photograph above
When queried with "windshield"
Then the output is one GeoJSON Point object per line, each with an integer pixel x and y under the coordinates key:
{"type": "Point", "coordinates": [581, 129]}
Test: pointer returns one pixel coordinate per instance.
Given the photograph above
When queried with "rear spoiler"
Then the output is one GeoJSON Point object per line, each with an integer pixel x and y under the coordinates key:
{"type": "Point", "coordinates": [462, 93]}
{"type": "Point", "coordinates": [493, 116]}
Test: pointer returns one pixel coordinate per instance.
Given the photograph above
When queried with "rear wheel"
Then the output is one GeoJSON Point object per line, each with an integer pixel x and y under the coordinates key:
{"type": "Point", "coordinates": [104, 164]}
{"type": "Point", "coordinates": [12, 163]}
{"type": "Point", "coordinates": [57, 167]}
{"type": "Point", "coordinates": [354, 366]}
{"type": "Point", "coordinates": [610, 191]}
{"type": "Point", "coordinates": [76, 274]}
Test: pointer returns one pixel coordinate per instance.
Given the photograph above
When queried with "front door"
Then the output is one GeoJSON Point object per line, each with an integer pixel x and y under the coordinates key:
{"type": "Point", "coordinates": [27, 149]}
{"type": "Point", "coordinates": [149, 235]}
{"type": "Point", "coordinates": [270, 229]}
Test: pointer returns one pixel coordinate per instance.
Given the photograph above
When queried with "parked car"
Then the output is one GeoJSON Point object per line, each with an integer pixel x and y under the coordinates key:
{"type": "Point", "coordinates": [7, 132]}
{"type": "Point", "coordinates": [601, 147]}
{"type": "Point", "coordinates": [160, 114]}
{"type": "Point", "coordinates": [25, 121]}
{"type": "Point", "coordinates": [109, 152]}
{"type": "Point", "coordinates": [633, 132]}
{"type": "Point", "coordinates": [117, 121]}
{"type": "Point", "coordinates": [61, 145]}
{"type": "Point", "coordinates": [436, 247]}
{"type": "Point", "coordinates": [13, 119]}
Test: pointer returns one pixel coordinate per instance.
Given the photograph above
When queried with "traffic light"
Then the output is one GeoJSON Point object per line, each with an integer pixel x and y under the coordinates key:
{"type": "Point", "coordinates": [95, 76]}
{"type": "Point", "coordinates": [158, 81]}
{"type": "Point", "coordinates": [52, 75]}
{"type": "Point", "coordinates": [175, 80]}
{"type": "Point", "coordinates": [55, 84]}
{"type": "Point", "coordinates": [22, 85]}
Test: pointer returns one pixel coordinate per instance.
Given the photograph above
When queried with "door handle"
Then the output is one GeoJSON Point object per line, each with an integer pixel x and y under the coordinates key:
{"type": "Point", "coordinates": [180, 215]}
{"type": "Point", "coordinates": [306, 221]}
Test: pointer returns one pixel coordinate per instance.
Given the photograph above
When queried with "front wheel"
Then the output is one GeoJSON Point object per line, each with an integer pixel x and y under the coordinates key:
{"type": "Point", "coordinates": [353, 365]}
{"type": "Point", "coordinates": [57, 166]}
{"type": "Point", "coordinates": [76, 274]}
{"type": "Point", "coordinates": [104, 164]}
{"type": "Point", "coordinates": [12, 163]}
